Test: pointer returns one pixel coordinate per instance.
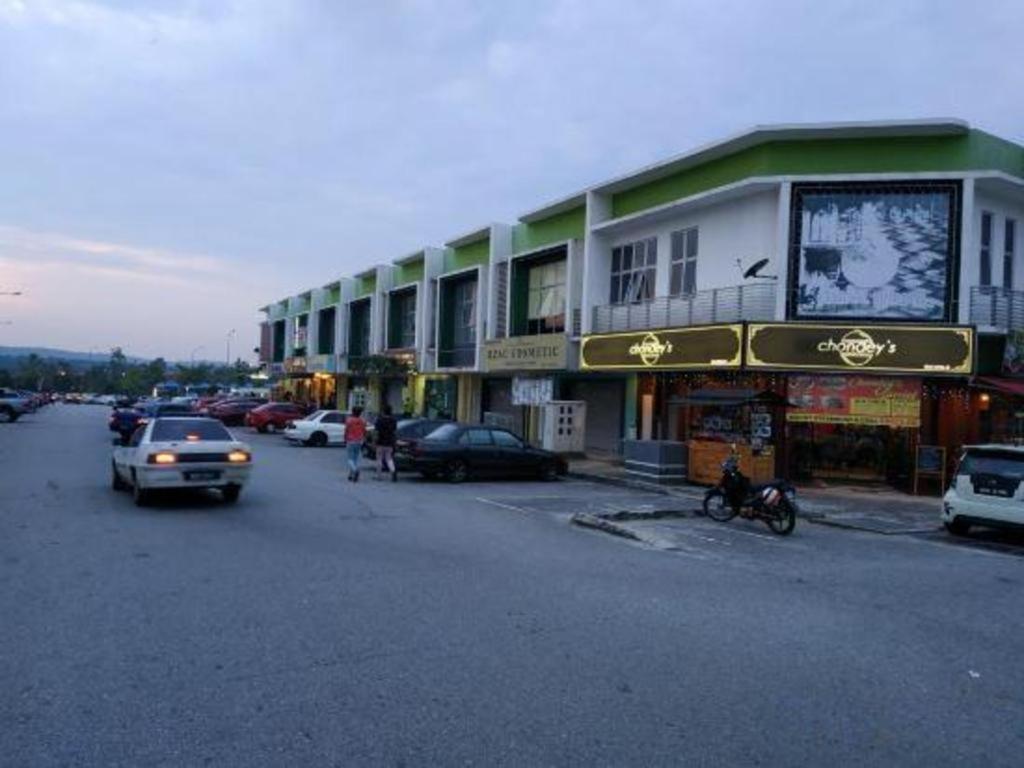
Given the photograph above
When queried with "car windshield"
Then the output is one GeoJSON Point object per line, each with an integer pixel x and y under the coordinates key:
{"type": "Point", "coordinates": [190, 430]}
{"type": "Point", "coordinates": [444, 433]}
{"type": "Point", "coordinates": [1003, 463]}
{"type": "Point", "coordinates": [315, 415]}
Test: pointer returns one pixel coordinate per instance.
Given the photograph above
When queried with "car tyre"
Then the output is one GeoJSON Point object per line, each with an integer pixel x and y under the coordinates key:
{"type": "Point", "coordinates": [958, 527]}
{"type": "Point", "coordinates": [548, 471]}
{"type": "Point", "coordinates": [456, 471]}
{"type": "Point", "coordinates": [9, 415]}
{"type": "Point", "coordinates": [270, 427]}
{"type": "Point", "coordinates": [317, 440]}
{"type": "Point", "coordinates": [140, 495]}
{"type": "Point", "coordinates": [263, 428]}
{"type": "Point", "coordinates": [230, 493]}
{"type": "Point", "coordinates": [115, 479]}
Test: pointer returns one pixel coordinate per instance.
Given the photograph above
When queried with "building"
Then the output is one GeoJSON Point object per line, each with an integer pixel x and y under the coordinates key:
{"type": "Point", "coordinates": [834, 298]}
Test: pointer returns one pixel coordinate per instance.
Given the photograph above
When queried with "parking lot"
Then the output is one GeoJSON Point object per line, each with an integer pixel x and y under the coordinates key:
{"type": "Point", "coordinates": [323, 622]}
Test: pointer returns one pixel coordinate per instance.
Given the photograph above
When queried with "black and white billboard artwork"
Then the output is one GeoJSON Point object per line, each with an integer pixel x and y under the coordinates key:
{"type": "Point", "coordinates": [873, 251]}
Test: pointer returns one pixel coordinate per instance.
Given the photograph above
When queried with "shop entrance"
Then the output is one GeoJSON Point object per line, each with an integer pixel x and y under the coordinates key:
{"type": "Point", "coordinates": [851, 453]}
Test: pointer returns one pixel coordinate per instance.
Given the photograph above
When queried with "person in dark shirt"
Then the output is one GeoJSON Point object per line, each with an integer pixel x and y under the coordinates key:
{"type": "Point", "coordinates": [386, 427]}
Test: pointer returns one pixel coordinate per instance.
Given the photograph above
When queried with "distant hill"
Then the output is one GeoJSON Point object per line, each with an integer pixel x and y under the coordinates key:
{"type": "Point", "coordinates": [11, 356]}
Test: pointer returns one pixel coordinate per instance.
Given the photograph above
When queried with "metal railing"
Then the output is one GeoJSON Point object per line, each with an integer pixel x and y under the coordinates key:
{"type": "Point", "coordinates": [463, 356]}
{"type": "Point", "coordinates": [997, 307]}
{"type": "Point", "coordinates": [577, 322]}
{"type": "Point", "coordinates": [717, 305]}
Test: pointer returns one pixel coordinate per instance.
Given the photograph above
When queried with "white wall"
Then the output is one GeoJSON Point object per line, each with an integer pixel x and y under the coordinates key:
{"type": "Point", "coordinates": [745, 228]}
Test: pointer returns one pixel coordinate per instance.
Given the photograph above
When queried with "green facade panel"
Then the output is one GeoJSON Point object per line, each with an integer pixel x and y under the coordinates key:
{"type": "Point", "coordinates": [469, 255]}
{"type": "Point", "coordinates": [974, 150]}
{"type": "Point", "coordinates": [366, 285]}
{"type": "Point", "coordinates": [567, 225]}
{"type": "Point", "coordinates": [409, 273]}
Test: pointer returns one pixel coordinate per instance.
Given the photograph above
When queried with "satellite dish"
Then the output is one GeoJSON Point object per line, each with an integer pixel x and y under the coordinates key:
{"type": "Point", "coordinates": [756, 267]}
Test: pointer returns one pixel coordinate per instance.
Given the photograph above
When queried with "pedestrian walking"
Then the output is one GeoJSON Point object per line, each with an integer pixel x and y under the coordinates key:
{"type": "Point", "coordinates": [355, 436]}
{"type": "Point", "coordinates": [386, 426]}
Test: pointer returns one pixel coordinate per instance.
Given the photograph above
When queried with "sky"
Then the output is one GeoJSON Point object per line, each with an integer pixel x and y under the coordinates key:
{"type": "Point", "coordinates": [169, 166]}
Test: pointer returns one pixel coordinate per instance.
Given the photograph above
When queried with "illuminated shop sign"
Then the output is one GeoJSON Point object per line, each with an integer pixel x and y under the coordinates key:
{"type": "Point", "coordinates": [696, 347]}
{"type": "Point", "coordinates": [881, 348]}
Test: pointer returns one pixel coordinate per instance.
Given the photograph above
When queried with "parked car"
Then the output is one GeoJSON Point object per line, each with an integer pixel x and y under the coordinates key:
{"type": "Point", "coordinates": [987, 489]}
{"type": "Point", "coordinates": [458, 451]}
{"type": "Point", "coordinates": [232, 412]}
{"type": "Point", "coordinates": [161, 408]}
{"type": "Point", "coordinates": [407, 434]}
{"type": "Point", "coordinates": [273, 417]}
{"type": "Point", "coordinates": [318, 429]}
{"type": "Point", "coordinates": [181, 452]}
{"type": "Point", "coordinates": [13, 405]}
{"type": "Point", "coordinates": [124, 421]}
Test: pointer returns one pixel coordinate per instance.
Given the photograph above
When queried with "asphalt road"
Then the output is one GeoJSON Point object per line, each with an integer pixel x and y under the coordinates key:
{"type": "Point", "coordinates": [323, 623]}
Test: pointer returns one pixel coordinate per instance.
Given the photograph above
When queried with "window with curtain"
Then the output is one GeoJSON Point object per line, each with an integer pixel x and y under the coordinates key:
{"type": "Point", "coordinates": [545, 312]}
{"type": "Point", "coordinates": [464, 300]}
{"type": "Point", "coordinates": [985, 260]}
{"type": "Point", "coordinates": [1009, 246]}
{"type": "Point", "coordinates": [633, 271]}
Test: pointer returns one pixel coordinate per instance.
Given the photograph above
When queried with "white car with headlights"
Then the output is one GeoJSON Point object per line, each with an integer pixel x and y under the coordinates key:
{"type": "Point", "coordinates": [181, 452]}
{"type": "Point", "coordinates": [987, 489]}
{"type": "Point", "coordinates": [320, 428]}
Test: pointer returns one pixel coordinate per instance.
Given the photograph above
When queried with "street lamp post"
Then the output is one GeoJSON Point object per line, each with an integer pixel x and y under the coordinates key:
{"type": "Point", "coordinates": [227, 357]}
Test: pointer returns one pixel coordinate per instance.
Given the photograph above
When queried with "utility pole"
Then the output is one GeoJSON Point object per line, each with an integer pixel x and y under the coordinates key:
{"type": "Point", "coordinates": [227, 357]}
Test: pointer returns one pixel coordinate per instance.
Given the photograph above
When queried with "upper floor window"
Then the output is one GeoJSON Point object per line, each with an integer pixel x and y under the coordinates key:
{"type": "Point", "coordinates": [325, 332]}
{"type": "Point", "coordinates": [300, 335]}
{"type": "Point", "coordinates": [985, 260]}
{"type": "Point", "coordinates": [684, 262]}
{"type": "Point", "coordinates": [633, 271]}
{"type": "Point", "coordinates": [402, 319]}
{"type": "Point", "coordinates": [464, 303]}
{"type": "Point", "coordinates": [1009, 246]}
{"type": "Point", "coordinates": [359, 328]}
{"type": "Point", "coordinates": [545, 311]}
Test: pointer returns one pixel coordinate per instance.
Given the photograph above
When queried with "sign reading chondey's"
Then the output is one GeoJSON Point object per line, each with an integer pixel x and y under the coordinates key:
{"type": "Point", "coordinates": [696, 347]}
{"type": "Point", "coordinates": [939, 349]}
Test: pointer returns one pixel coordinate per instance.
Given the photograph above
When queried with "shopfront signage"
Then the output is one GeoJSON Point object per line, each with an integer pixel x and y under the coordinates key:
{"type": "Point", "coordinates": [545, 352]}
{"type": "Point", "coordinates": [532, 391]}
{"type": "Point", "coordinates": [867, 401]}
{"type": "Point", "coordinates": [707, 346]}
{"type": "Point", "coordinates": [295, 365]}
{"type": "Point", "coordinates": [940, 349]}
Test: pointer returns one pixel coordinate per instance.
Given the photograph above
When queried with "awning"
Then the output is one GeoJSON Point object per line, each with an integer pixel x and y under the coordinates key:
{"type": "Point", "coordinates": [1006, 386]}
{"type": "Point", "coordinates": [731, 397]}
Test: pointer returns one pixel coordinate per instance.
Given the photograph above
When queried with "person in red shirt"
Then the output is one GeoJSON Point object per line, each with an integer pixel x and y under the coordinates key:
{"type": "Point", "coordinates": [355, 436]}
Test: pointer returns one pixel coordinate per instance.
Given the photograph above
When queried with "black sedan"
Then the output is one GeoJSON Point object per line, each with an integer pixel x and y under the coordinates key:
{"type": "Point", "coordinates": [457, 451]}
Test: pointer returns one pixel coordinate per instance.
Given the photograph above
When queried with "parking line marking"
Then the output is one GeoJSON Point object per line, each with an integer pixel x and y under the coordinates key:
{"type": "Point", "coordinates": [503, 506]}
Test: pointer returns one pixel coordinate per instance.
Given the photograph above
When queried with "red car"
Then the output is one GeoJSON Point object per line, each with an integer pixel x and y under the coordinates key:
{"type": "Point", "coordinates": [273, 416]}
{"type": "Point", "coordinates": [233, 412]}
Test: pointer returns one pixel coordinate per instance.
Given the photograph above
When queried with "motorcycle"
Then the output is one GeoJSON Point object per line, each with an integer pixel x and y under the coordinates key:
{"type": "Point", "coordinates": [774, 502]}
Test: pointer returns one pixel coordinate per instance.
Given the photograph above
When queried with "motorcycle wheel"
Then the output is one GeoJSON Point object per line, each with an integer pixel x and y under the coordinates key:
{"type": "Point", "coordinates": [782, 520]}
{"type": "Point", "coordinates": [717, 507]}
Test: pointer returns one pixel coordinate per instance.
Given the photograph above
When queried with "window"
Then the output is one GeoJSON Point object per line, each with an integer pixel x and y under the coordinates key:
{"type": "Point", "coordinates": [278, 345]}
{"type": "Point", "coordinates": [684, 262]}
{"type": "Point", "coordinates": [464, 301]}
{"type": "Point", "coordinates": [985, 278]}
{"type": "Point", "coordinates": [1009, 246]}
{"type": "Point", "coordinates": [301, 333]}
{"type": "Point", "coordinates": [402, 320]}
{"type": "Point", "coordinates": [332, 418]}
{"type": "Point", "coordinates": [359, 328]}
{"type": "Point", "coordinates": [476, 437]}
{"type": "Point", "coordinates": [633, 270]}
{"type": "Point", "coordinates": [545, 306]}
{"type": "Point", "coordinates": [506, 439]}
{"type": "Point", "coordinates": [189, 430]}
{"type": "Point", "coordinates": [325, 331]}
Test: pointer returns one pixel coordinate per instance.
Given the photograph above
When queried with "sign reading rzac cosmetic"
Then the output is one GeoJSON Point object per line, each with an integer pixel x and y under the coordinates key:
{"type": "Point", "coordinates": [706, 346]}
{"type": "Point", "coordinates": [544, 352]}
{"type": "Point", "coordinates": [938, 349]}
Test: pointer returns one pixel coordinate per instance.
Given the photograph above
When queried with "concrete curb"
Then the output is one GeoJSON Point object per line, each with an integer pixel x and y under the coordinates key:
{"type": "Point", "coordinates": [596, 523]}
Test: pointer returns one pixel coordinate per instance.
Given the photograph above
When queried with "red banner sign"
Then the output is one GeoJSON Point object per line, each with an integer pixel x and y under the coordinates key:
{"type": "Point", "coordinates": [864, 400]}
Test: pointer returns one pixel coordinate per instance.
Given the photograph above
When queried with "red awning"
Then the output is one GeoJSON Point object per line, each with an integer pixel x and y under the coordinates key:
{"type": "Point", "coordinates": [1014, 387]}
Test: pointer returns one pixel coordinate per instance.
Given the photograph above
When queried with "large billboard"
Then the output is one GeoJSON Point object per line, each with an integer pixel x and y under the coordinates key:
{"type": "Point", "coordinates": [880, 250]}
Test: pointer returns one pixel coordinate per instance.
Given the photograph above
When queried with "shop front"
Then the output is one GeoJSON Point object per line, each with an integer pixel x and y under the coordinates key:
{"type": "Point", "coordinates": [520, 376]}
{"type": "Point", "coordinates": [323, 384]}
{"type": "Point", "coordinates": [866, 398]}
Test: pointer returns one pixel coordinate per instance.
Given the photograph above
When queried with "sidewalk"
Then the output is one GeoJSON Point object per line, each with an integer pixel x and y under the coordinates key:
{"type": "Point", "coordinates": [861, 508]}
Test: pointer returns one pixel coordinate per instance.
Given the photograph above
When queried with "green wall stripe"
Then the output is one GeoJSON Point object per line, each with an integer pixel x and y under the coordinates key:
{"type": "Point", "coordinates": [974, 150]}
{"type": "Point", "coordinates": [409, 273]}
{"type": "Point", "coordinates": [469, 255]}
{"type": "Point", "coordinates": [562, 226]}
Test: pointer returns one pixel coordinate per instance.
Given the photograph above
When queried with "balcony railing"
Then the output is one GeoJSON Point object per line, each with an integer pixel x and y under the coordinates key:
{"type": "Point", "coordinates": [997, 307]}
{"type": "Point", "coordinates": [717, 305]}
{"type": "Point", "coordinates": [462, 356]}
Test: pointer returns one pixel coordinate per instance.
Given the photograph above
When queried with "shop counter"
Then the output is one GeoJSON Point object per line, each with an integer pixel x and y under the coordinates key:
{"type": "Point", "coordinates": [706, 457]}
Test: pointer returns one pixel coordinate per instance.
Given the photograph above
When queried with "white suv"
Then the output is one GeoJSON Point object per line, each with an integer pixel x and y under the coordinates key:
{"type": "Point", "coordinates": [987, 489]}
